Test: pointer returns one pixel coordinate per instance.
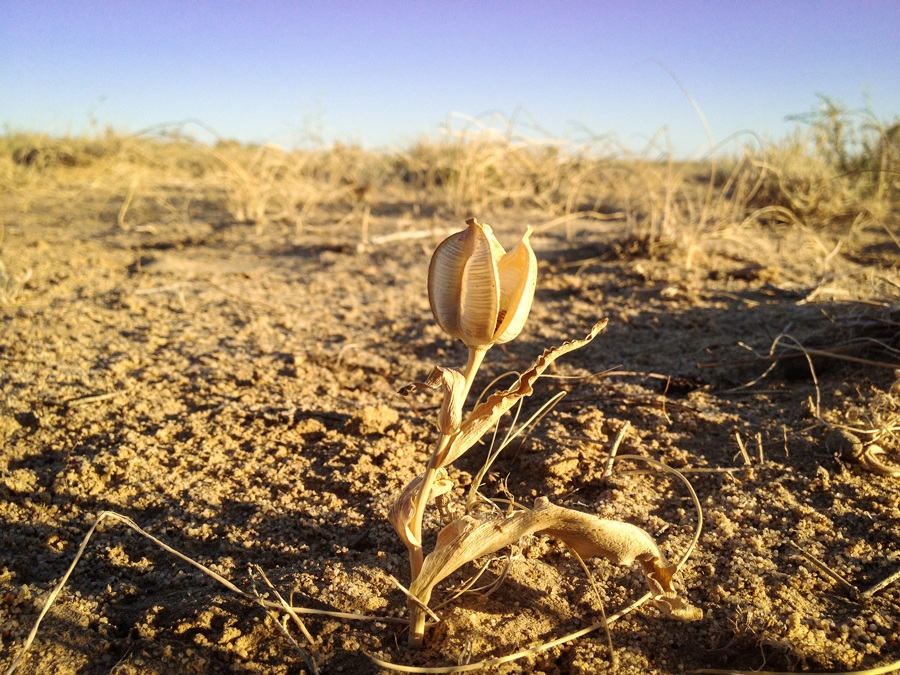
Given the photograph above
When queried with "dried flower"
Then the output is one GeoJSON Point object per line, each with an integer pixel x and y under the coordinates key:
{"type": "Point", "coordinates": [478, 292]}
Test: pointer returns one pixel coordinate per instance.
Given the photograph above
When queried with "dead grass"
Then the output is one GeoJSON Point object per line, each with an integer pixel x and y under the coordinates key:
{"type": "Point", "coordinates": [841, 169]}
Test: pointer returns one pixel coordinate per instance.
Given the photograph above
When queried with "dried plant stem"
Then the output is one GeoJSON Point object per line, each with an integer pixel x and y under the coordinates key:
{"type": "Point", "coordinates": [284, 605]}
{"type": "Point", "coordinates": [93, 398]}
{"type": "Point", "coordinates": [852, 590]}
{"type": "Point", "coordinates": [590, 577]}
{"type": "Point", "coordinates": [742, 447]}
{"type": "Point", "coordinates": [53, 595]}
{"type": "Point", "coordinates": [884, 583]}
{"type": "Point", "coordinates": [607, 471]}
{"type": "Point", "coordinates": [416, 554]}
{"type": "Point", "coordinates": [120, 218]}
{"type": "Point", "coordinates": [412, 598]}
{"type": "Point", "coordinates": [476, 356]}
{"type": "Point", "coordinates": [283, 628]}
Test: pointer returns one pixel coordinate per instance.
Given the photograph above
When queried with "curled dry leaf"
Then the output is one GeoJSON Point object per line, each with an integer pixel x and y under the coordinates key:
{"type": "Point", "coordinates": [872, 458]}
{"type": "Point", "coordinates": [402, 510]}
{"type": "Point", "coordinates": [453, 383]}
{"type": "Point", "coordinates": [486, 415]}
{"type": "Point", "coordinates": [851, 448]}
{"type": "Point", "coordinates": [621, 544]}
{"type": "Point", "coordinates": [471, 537]}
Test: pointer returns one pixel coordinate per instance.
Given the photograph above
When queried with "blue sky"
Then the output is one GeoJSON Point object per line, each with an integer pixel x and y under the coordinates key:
{"type": "Point", "coordinates": [385, 73]}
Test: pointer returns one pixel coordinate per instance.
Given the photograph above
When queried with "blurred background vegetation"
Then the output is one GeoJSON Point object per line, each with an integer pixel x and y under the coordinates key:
{"type": "Point", "coordinates": [839, 168]}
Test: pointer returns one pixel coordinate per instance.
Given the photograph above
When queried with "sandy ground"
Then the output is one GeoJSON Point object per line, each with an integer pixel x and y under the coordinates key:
{"type": "Point", "coordinates": [235, 394]}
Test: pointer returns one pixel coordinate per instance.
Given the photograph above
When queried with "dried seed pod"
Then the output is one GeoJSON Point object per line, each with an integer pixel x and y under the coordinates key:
{"type": "Point", "coordinates": [478, 292]}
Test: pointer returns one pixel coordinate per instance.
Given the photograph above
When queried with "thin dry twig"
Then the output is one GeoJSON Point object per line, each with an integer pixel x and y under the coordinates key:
{"type": "Point", "coordinates": [94, 398]}
{"type": "Point", "coordinates": [284, 604]}
{"type": "Point", "coordinates": [511, 435]}
{"type": "Point", "coordinates": [468, 584]}
{"type": "Point", "coordinates": [125, 520]}
{"type": "Point", "coordinates": [868, 329]}
{"type": "Point", "coordinates": [607, 471]}
{"type": "Point", "coordinates": [613, 660]}
{"type": "Point", "coordinates": [410, 596]}
{"type": "Point", "coordinates": [881, 585]}
{"type": "Point", "coordinates": [53, 595]}
{"type": "Point", "coordinates": [284, 631]}
{"type": "Point", "coordinates": [743, 449]}
{"type": "Point", "coordinates": [664, 468]}
{"type": "Point", "coordinates": [852, 591]}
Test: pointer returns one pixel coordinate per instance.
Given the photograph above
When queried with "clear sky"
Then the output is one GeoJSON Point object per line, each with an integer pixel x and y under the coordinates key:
{"type": "Point", "coordinates": [384, 73]}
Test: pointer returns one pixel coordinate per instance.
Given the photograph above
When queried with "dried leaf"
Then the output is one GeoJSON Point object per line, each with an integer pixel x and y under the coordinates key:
{"type": "Point", "coordinates": [486, 415]}
{"type": "Point", "coordinates": [402, 510]}
{"type": "Point", "coordinates": [453, 382]}
{"type": "Point", "coordinates": [621, 544]}
{"type": "Point", "coordinates": [472, 537]}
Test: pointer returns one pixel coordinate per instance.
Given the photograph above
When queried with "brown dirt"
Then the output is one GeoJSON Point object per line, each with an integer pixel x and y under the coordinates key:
{"type": "Point", "coordinates": [248, 414]}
